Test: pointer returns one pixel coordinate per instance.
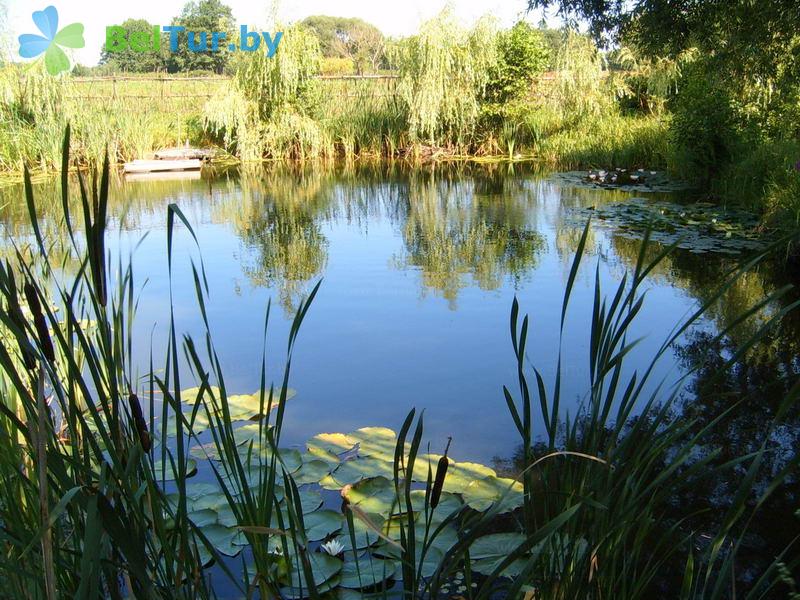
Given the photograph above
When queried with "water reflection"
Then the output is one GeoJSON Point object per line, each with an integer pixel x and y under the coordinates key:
{"type": "Point", "coordinates": [420, 268]}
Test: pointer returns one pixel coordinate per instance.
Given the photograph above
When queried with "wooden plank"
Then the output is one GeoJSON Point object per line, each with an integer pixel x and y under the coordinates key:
{"type": "Point", "coordinates": [150, 166]}
{"type": "Point", "coordinates": [183, 153]}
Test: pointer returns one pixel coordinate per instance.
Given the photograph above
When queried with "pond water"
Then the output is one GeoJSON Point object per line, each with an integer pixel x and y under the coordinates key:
{"type": "Point", "coordinates": [419, 268]}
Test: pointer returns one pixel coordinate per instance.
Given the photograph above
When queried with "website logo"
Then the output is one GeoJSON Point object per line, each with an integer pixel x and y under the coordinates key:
{"type": "Point", "coordinates": [51, 41]}
{"type": "Point", "coordinates": [118, 39]}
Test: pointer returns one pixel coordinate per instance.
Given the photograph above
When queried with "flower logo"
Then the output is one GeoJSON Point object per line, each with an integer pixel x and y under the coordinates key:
{"type": "Point", "coordinates": [51, 40]}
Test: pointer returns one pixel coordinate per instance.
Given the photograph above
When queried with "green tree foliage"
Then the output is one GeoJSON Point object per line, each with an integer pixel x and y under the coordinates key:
{"type": "Point", "coordinates": [128, 60]}
{"type": "Point", "coordinates": [349, 38]}
{"type": "Point", "coordinates": [522, 55]}
{"type": "Point", "coordinates": [445, 70]}
{"type": "Point", "coordinates": [199, 16]}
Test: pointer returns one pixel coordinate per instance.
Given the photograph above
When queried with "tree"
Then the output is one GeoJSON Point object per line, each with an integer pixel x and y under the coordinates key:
{"type": "Point", "coordinates": [522, 55]}
{"type": "Point", "coordinates": [130, 61]}
{"type": "Point", "coordinates": [351, 38]}
{"type": "Point", "coordinates": [202, 16]}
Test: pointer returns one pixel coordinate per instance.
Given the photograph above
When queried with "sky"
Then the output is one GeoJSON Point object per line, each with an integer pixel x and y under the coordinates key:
{"type": "Point", "coordinates": [393, 18]}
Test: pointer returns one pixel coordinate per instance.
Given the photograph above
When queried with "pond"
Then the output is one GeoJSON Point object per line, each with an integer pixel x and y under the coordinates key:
{"type": "Point", "coordinates": [419, 268]}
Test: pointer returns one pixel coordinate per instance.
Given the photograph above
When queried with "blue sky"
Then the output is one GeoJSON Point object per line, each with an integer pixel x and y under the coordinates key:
{"type": "Point", "coordinates": [393, 18]}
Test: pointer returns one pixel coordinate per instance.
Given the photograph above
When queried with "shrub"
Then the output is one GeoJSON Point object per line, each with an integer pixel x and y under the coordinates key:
{"type": "Point", "coordinates": [703, 124]}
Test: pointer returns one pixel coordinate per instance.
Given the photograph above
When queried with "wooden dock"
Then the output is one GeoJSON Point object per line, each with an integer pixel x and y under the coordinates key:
{"type": "Point", "coordinates": [155, 166]}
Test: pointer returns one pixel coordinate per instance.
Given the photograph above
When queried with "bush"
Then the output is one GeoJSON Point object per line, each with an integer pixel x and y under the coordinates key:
{"type": "Point", "coordinates": [522, 55]}
{"type": "Point", "coordinates": [333, 65]}
{"type": "Point", "coordinates": [703, 126]}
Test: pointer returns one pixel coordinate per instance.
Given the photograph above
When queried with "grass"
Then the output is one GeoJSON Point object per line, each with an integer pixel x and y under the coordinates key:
{"type": "Point", "coordinates": [95, 502]}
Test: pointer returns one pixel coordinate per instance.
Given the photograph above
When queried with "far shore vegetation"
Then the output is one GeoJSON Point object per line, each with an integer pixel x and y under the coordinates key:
{"type": "Point", "coordinates": [625, 95]}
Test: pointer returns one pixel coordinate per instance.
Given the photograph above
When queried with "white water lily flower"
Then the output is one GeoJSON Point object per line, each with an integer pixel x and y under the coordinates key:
{"type": "Point", "coordinates": [333, 547]}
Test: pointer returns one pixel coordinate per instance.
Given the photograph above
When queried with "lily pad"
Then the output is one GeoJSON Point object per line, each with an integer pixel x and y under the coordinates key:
{"type": "Point", "coordinates": [322, 523]}
{"type": "Point", "coordinates": [368, 571]}
{"type": "Point", "coordinates": [325, 444]}
{"type": "Point", "coordinates": [355, 470]}
{"type": "Point", "coordinates": [324, 567]}
{"type": "Point", "coordinates": [226, 540]}
{"type": "Point", "coordinates": [365, 536]}
{"type": "Point", "coordinates": [203, 517]}
{"type": "Point", "coordinates": [378, 442]}
{"type": "Point", "coordinates": [488, 552]}
{"type": "Point", "coordinates": [311, 471]}
{"type": "Point", "coordinates": [482, 494]}
{"type": "Point", "coordinates": [168, 475]}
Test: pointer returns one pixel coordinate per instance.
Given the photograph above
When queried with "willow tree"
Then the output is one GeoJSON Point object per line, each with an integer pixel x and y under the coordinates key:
{"type": "Point", "coordinates": [266, 109]}
{"type": "Point", "coordinates": [443, 73]}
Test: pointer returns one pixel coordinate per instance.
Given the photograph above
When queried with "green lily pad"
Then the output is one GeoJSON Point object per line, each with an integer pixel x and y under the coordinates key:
{"type": "Point", "coordinates": [355, 470]}
{"type": "Point", "coordinates": [378, 442]}
{"type": "Point", "coordinates": [215, 501]}
{"type": "Point", "coordinates": [326, 444]}
{"type": "Point", "coordinates": [365, 536]}
{"type": "Point", "coordinates": [311, 471]}
{"type": "Point", "coordinates": [368, 571]}
{"type": "Point", "coordinates": [224, 539]}
{"type": "Point", "coordinates": [310, 500]}
{"type": "Point", "coordinates": [374, 495]}
{"type": "Point", "coordinates": [322, 523]}
{"type": "Point", "coordinates": [488, 552]}
{"type": "Point", "coordinates": [324, 567]}
{"type": "Point", "coordinates": [168, 475]}
{"type": "Point", "coordinates": [482, 494]}
{"type": "Point", "coordinates": [203, 517]}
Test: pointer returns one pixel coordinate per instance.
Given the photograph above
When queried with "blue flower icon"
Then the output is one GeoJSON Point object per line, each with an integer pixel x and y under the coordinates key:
{"type": "Point", "coordinates": [51, 40]}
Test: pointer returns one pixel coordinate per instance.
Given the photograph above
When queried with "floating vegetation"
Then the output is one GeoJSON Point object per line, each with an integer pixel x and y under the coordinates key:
{"type": "Point", "coordinates": [699, 227]}
{"type": "Point", "coordinates": [359, 468]}
{"type": "Point", "coordinates": [640, 180]}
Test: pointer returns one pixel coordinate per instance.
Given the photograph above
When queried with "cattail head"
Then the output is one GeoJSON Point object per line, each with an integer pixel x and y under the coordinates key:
{"type": "Point", "coordinates": [139, 422]}
{"type": "Point", "coordinates": [39, 323]}
{"type": "Point", "coordinates": [441, 473]}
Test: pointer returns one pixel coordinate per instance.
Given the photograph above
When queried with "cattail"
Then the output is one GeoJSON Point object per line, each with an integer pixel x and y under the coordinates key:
{"type": "Point", "coordinates": [39, 323]}
{"type": "Point", "coordinates": [441, 473]}
{"type": "Point", "coordinates": [139, 422]}
{"type": "Point", "coordinates": [15, 312]}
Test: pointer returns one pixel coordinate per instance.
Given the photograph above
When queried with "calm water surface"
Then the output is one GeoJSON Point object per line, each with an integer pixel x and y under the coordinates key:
{"type": "Point", "coordinates": [419, 269]}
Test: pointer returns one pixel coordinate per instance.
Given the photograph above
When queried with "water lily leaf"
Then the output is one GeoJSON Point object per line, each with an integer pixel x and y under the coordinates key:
{"type": "Point", "coordinates": [355, 470]}
{"type": "Point", "coordinates": [311, 471]}
{"type": "Point", "coordinates": [203, 517]}
{"type": "Point", "coordinates": [489, 551]}
{"type": "Point", "coordinates": [226, 517]}
{"type": "Point", "coordinates": [325, 444]}
{"type": "Point", "coordinates": [364, 535]}
{"type": "Point", "coordinates": [481, 494]}
{"type": "Point", "coordinates": [226, 540]}
{"type": "Point", "coordinates": [310, 500]}
{"type": "Point", "coordinates": [191, 469]}
{"type": "Point", "coordinates": [198, 490]}
{"type": "Point", "coordinates": [374, 495]}
{"type": "Point", "coordinates": [198, 426]}
{"type": "Point", "coordinates": [324, 567]}
{"type": "Point", "coordinates": [215, 501]}
{"type": "Point", "coordinates": [448, 504]}
{"type": "Point", "coordinates": [430, 561]}
{"type": "Point", "coordinates": [367, 571]}
{"type": "Point", "coordinates": [322, 523]}
{"type": "Point", "coordinates": [378, 442]}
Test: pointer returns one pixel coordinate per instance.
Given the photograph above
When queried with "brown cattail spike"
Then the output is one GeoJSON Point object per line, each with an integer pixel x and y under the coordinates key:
{"type": "Point", "coordinates": [41, 325]}
{"type": "Point", "coordinates": [139, 423]}
{"type": "Point", "coordinates": [441, 473]}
